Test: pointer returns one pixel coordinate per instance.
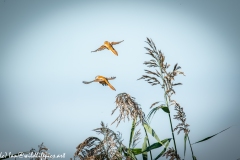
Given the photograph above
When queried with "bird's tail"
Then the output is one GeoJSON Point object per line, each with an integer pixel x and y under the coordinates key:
{"type": "Point", "coordinates": [110, 86]}
{"type": "Point", "coordinates": [114, 51]}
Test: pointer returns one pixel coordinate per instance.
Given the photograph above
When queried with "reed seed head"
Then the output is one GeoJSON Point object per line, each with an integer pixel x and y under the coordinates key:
{"type": "Point", "coordinates": [128, 107]}
{"type": "Point", "coordinates": [171, 153]}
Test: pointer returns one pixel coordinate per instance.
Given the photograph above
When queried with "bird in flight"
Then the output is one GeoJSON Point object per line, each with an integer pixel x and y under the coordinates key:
{"type": "Point", "coordinates": [102, 80]}
{"type": "Point", "coordinates": [109, 46]}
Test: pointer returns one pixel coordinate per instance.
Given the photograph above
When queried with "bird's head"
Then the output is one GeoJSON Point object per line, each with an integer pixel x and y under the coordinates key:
{"type": "Point", "coordinates": [98, 77]}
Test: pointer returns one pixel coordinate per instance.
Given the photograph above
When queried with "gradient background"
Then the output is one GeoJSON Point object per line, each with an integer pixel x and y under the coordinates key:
{"type": "Point", "coordinates": [45, 54]}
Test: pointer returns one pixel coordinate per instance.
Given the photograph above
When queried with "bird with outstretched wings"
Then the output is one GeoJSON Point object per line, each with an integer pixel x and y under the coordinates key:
{"type": "Point", "coordinates": [102, 80]}
{"type": "Point", "coordinates": [109, 46]}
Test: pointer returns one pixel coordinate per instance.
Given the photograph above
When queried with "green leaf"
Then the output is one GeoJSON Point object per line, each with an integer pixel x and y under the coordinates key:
{"type": "Point", "coordinates": [153, 146]}
{"type": "Point", "coordinates": [164, 150]}
{"type": "Point", "coordinates": [157, 145]}
{"type": "Point", "coordinates": [130, 153]}
{"type": "Point", "coordinates": [211, 136]}
{"type": "Point", "coordinates": [152, 132]}
{"type": "Point", "coordinates": [137, 151]}
{"type": "Point", "coordinates": [154, 110]}
{"type": "Point", "coordinates": [165, 109]}
{"type": "Point", "coordinates": [152, 113]}
{"type": "Point", "coordinates": [185, 139]}
{"type": "Point", "coordinates": [144, 146]}
{"type": "Point", "coordinates": [194, 158]}
{"type": "Point", "coordinates": [132, 132]}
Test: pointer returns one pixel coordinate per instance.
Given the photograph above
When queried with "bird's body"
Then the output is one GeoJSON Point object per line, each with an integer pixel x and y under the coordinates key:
{"type": "Point", "coordinates": [109, 46]}
{"type": "Point", "coordinates": [102, 80]}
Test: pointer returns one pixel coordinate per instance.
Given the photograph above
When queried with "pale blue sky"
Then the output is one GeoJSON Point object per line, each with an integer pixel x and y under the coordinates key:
{"type": "Point", "coordinates": [45, 54]}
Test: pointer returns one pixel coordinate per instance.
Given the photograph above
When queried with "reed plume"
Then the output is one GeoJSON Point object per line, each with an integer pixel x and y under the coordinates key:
{"type": "Point", "coordinates": [161, 77]}
{"type": "Point", "coordinates": [128, 108]}
{"type": "Point", "coordinates": [107, 149]}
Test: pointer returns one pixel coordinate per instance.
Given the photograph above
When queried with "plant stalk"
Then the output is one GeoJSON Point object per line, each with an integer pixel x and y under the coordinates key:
{"type": "Point", "coordinates": [191, 148]}
{"type": "Point", "coordinates": [148, 142]}
{"type": "Point", "coordinates": [172, 132]}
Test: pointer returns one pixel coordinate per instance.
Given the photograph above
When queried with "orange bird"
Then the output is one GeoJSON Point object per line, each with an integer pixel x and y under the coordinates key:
{"type": "Point", "coordinates": [109, 46]}
{"type": "Point", "coordinates": [102, 80]}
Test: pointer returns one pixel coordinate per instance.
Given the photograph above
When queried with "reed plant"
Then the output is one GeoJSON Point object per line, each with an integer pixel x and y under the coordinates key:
{"type": "Point", "coordinates": [111, 147]}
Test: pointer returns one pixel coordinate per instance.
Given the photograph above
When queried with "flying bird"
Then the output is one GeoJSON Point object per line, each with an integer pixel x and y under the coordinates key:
{"type": "Point", "coordinates": [102, 80]}
{"type": "Point", "coordinates": [109, 46]}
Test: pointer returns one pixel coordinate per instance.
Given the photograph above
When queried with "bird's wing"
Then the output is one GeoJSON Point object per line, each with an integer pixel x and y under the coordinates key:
{"type": "Point", "coordinates": [111, 78]}
{"type": "Point", "coordinates": [113, 43]}
{"type": "Point", "coordinates": [100, 48]}
{"type": "Point", "coordinates": [87, 82]}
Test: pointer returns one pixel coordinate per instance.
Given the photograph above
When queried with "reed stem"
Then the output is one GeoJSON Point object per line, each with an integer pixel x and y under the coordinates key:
{"type": "Point", "coordinates": [191, 148]}
{"type": "Point", "coordinates": [148, 142]}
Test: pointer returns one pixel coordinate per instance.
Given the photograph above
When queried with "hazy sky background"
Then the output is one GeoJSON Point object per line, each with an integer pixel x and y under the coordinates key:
{"type": "Point", "coordinates": [45, 54]}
